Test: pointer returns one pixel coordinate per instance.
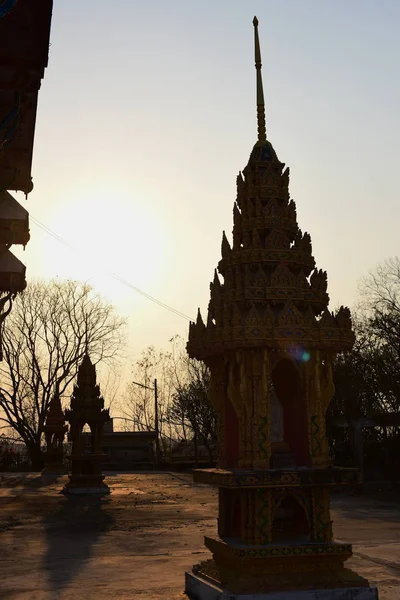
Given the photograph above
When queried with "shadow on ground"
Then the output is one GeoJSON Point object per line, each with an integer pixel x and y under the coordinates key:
{"type": "Point", "coordinates": [369, 505]}
{"type": "Point", "coordinates": [24, 481]}
{"type": "Point", "coordinates": [72, 530]}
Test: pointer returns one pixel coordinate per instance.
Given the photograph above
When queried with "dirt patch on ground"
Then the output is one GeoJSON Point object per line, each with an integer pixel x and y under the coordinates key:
{"type": "Point", "coordinates": [138, 541]}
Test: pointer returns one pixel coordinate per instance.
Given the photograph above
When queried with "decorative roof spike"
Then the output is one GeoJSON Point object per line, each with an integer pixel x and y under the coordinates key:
{"type": "Point", "coordinates": [86, 369]}
{"type": "Point", "coordinates": [343, 317]}
{"type": "Point", "coordinates": [306, 243]}
{"type": "Point", "coordinates": [285, 177]}
{"type": "Point", "coordinates": [309, 317]}
{"type": "Point", "coordinates": [319, 280]}
{"type": "Point", "coordinates": [225, 246]}
{"type": "Point", "coordinates": [327, 320]}
{"type": "Point", "coordinates": [236, 213]}
{"type": "Point", "coordinates": [55, 415]}
{"type": "Point", "coordinates": [292, 213]}
{"type": "Point", "coordinates": [210, 316]}
{"type": "Point", "coordinates": [261, 128]}
{"type": "Point", "coordinates": [199, 320]}
{"type": "Point", "coordinates": [216, 281]}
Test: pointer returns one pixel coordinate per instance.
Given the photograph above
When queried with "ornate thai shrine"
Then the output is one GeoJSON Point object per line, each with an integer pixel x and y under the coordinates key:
{"type": "Point", "coordinates": [269, 341]}
{"type": "Point", "coordinates": [54, 430]}
{"type": "Point", "coordinates": [86, 408]}
{"type": "Point", "coordinates": [24, 45]}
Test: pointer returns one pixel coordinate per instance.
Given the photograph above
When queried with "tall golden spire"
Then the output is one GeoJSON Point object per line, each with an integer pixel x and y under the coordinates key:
{"type": "Point", "coordinates": [262, 135]}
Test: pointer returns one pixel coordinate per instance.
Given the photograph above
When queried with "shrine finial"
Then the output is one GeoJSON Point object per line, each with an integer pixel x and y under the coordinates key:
{"type": "Point", "coordinates": [262, 135]}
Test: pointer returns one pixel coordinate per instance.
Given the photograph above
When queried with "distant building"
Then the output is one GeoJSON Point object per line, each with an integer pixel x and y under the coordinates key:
{"type": "Point", "coordinates": [183, 454]}
{"type": "Point", "coordinates": [127, 450]}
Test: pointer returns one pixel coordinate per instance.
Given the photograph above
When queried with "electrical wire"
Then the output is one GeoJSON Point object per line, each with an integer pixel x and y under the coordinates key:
{"type": "Point", "coordinates": [114, 275]}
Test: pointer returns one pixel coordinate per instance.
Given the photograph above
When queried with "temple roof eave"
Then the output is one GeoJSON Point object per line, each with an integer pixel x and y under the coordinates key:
{"type": "Point", "coordinates": [267, 256]}
{"type": "Point", "coordinates": [86, 415]}
{"type": "Point", "coordinates": [55, 428]}
{"type": "Point", "coordinates": [213, 340]}
{"type": "Point", "coordinates": [207, 349]}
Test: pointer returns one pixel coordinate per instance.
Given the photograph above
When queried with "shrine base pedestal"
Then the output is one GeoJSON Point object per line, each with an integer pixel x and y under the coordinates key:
{"type": "Point", "coordinates": [198, 588]}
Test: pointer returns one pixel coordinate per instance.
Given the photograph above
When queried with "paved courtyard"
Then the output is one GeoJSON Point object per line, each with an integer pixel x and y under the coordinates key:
{"type": "Point", "coordinates": [137, 543]}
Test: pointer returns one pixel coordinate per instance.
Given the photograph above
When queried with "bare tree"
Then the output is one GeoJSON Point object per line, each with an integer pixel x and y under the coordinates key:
{"type": "Point", "coordinates": [367, 379]}
{"type": "Point", "coordinates": [138, 402]}
{"type": "Point", "coordinates": [191, 408]}
{"type": "Point", "coordinates": [49, 330]}
{"type": "Point", "coordinates": [184, 409]}
{"type": "Point", "coordinates": [381, 313]}
{"type": "Point", "coordinates": [110, 377]}
{"type": "Point", "coordinates": [381, 287]}
{"type": "Point", "coordinates": [381, 303]}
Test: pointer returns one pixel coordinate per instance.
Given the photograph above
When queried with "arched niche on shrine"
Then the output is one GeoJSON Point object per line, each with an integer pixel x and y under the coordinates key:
{"type": "Point", "coordinates": [290, 522]}
{"type": "Point", "coordinates": [287, 385]}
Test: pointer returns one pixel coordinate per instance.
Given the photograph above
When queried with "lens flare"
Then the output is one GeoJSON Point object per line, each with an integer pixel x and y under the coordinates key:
{"type": "Point", "coordinates": [299, 354]}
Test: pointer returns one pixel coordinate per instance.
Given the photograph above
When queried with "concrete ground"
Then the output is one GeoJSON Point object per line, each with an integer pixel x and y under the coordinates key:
{"type": "Point", "coordinates": [137, 543]}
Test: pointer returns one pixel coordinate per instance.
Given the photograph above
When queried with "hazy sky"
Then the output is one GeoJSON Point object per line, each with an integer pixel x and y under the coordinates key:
{"type": "Point", "coordinates": [147, 113]}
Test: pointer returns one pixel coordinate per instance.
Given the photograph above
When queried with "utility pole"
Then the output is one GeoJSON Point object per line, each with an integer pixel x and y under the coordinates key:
{"type": "Point", "coordinates": [156, 422]}
{"type": "Point", "coordinates": [157, 429]}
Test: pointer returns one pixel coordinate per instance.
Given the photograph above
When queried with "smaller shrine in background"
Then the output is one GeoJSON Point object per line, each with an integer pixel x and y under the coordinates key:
{"type": "Point", "coordinates": [54, 429]}
{"type": "Point", "coordinates": [87, 408]}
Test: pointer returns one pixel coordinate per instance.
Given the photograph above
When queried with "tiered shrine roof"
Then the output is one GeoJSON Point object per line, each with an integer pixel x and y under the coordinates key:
{"type": "Point", "coordinates": [55, 419]}
{"type": "Point", "coordinates": [272, 293]}
{"type": "Point", "coordinates": [86, 400]}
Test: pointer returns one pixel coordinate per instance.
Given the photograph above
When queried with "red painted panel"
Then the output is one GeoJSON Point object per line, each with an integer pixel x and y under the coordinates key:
{"type": "Point", "coordinates": [231, 435]}
{"type": "Point", "coordinates": [286, 380]}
